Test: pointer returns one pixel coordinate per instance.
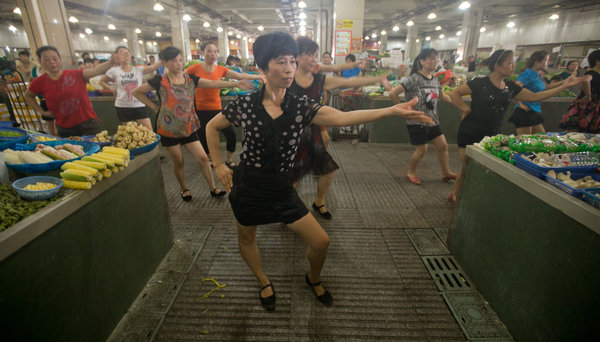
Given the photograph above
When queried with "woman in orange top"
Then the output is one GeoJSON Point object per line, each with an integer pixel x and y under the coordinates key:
{"type": "Point", "coordinates": [208, 102]}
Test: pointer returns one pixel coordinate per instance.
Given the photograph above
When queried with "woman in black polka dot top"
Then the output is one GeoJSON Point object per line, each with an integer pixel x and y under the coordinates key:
{"type": "Point", "coordinates": [261, 185]}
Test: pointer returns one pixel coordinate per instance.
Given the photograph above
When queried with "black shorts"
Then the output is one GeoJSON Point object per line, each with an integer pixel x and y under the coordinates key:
{"type": "Point", "coordinates": [168, 141]}
{"type": "Point", "coordinates": [463, 140]}
{"type": "Point", "coordinates": [421, 134]}
{"type": "Point", "coordinates": [88, 127]}
{"type": "Point", "coordinates": [524, 118]}
{"type": "Point", "coordinates": [131, 114]}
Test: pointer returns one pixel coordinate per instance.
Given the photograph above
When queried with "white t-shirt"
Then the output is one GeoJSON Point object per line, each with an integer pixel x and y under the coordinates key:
{"type": "Point", "coordinates": [125, 82]}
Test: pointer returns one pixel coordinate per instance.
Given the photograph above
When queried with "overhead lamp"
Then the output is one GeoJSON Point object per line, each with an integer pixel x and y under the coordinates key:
{"type": "Point", "coordinates": [302, 23]}
{"type": "Point", "coordinates": [154, 43]}
{"type": "Point", "coordinates": [374, 35]}
{"type": "Point", "coordinates": [410, 23]}
{"type": "Point", "coordinates": [302, 15]}
{"type": "Point", "coordinates": [206, 24]}
{"type": "Point", "coordinates": [112, 27]}
{"type": "Point", "coordinates": [186, 17]}
{"type": "Point", "coordinates": [230, 33]}
{"type": "Point", "coordinates": [432, 16]}
{"type": "Point", "coordinates": [554, 16]}
{"type": "Point", "coordinates": [260, 28]}
{"type": "Point", "coordinates": [301, 4]}
{"type": "Point", "coordinates": [250, 40]}
{"type": "Point", "coordinates": [238, 36]}
{"type": "Point", "coordinates": [464, 5]}
{"type": "Point", "coordinates": [510, 24]}
{"type": "Point", "coordinates": [379, 42]}
{"type": "Point", "coordinates": [158, 7]}
{"type": "Point", "coordinates": [17, 10]}
{"type": "Point", "coordinates": [482, 29]}
{"type": "Point", "coordinates": [395, 28]}
{"type": "Point", "coordinates": [427, 38]}
{"type": "Point", "coordinates": [124, 40]}
{"type": "Point", "coordinates": [442, 36]}
{"type": "Point", "coordinates": [197, 40]}
{"type": "Point", "coordinates": [303, 33]}
{"type": "Point", "coordinates": [219, 29]}
{"type": "Point", "coordinates": [106, 38]}
{"type": "Point", "coordinates": [72, 19]}
{"type": "Point", "coordinates": [140, 41]}
{"type": "Point", "coordinates": [407, 40]}
{"type": "Point", "coordinates": [383, 32]}
{"type": "Point", "coordinates": [246, 38]}
{"type": "Point", "coordinates": [459, 33]}
{"type": "Point", "coordinates": [12, 29]}
{"type": "Point", "coordinates": [158, 34]}
{"type": "Point", "coordinates": [137, 30]}
{"type": "Point", "coordinates": [438, 28]}
{"type": "Point", "coordinates": [367, 38]}
{"type": "Point", "coordinates": [55, 21]}
{"type": "Point", "coordinates": [82, 36]}
{"type": "Point", "coordinates": [417, 40]}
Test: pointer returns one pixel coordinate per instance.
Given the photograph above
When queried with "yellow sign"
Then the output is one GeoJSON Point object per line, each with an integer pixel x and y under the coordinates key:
{"type": "Point", "coordinates": [344, 24]}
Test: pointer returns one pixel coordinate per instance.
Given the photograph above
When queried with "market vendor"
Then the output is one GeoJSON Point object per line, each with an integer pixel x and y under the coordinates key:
{"type": "Point", "coordinates": [66, 94]}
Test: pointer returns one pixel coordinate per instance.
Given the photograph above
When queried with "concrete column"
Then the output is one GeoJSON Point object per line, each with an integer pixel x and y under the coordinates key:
{"type": "Point", "coordinates": [135, 48]}
{"type": "Point", "coordinates": [224, 43]}
{"type": "Point", "coordinates": [46, 23]}
{"type": "Point", "coordinates": [383, 45]}
{"type": "Point", "coordinates": [470, 31]}
{"type": "Point", "coordinates": [411, 45]}
{"type": "Point", "coordinates": [244, 42]}
{"type": "Point", "coordinates": [348, 10]}
{"type": "Point", "coordinates": [180, 34]}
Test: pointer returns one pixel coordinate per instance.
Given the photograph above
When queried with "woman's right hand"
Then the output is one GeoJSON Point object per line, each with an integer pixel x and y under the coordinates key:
{"type": "Point", "coordinates": [405, 110]}
{"type": "Point", "coordinates": [225, 176]}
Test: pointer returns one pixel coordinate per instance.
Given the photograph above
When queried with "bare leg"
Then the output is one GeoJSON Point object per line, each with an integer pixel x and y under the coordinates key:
{"type": "Point", "coordinates": [523, 130]}
{"type": "Point", "coordinates": [323, 185]}
{"type": "Point", "coordinates": [317, 242]}
{"type": "Point", "coordinates": [461, 152]}
{"type": "Point", "coordinates": [420, 151]}
{"type": "Point", "coordinates": [177, 157]}
{"type": "Point", "coordinates": [538, 129]}
{"type": "Point", "coordinates": [145, 122]}
{"type": "Point", "coordinates": [250, 254]}
{"type": "Point", "coordinates": [442, 153]}
{"type": "Point", "coordinates": [198, 152]}
{"type": "Point", "coordinates": [326, 138]}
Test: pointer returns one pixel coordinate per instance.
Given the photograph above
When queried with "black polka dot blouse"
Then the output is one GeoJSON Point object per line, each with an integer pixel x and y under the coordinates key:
{"type": "Point", "coordinates": [270, 143]}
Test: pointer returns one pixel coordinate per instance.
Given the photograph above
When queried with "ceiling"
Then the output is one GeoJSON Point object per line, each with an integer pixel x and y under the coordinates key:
{"type": "Point", "coordinates": [244, 16]}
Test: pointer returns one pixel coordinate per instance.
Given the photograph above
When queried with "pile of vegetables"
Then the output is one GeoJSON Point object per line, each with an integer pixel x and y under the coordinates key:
{"type": "Point", "coordinates": [13, 209]}
{"type": "Point", "coordinates": [10, 134]}
{"type": "Point", "coordinates": [43, 154]}
{"type": "Point", "coordinates": [83, 174]}
{"type": "Point", "coordinates": [101, 137]}
{"type": "Point", "coordinates": [585, 182]}
{"type": "Point", "coordinates": [133, 135]}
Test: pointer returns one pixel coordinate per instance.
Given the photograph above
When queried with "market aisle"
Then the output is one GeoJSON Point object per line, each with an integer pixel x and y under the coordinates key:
{"type": "Point", "coordinates": [382, 289]}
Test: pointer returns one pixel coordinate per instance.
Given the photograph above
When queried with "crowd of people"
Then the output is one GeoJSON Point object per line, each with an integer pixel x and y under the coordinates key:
{"type": "Point", "coordinates": [284, 122]}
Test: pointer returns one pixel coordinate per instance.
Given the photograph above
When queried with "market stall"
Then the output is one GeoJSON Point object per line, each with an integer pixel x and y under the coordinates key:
{"type": "Point", "coordinates": [531, 249]}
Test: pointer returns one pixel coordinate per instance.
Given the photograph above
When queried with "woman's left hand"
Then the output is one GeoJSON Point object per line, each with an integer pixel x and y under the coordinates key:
{"type": "Point", "coordinates": [405, 111]}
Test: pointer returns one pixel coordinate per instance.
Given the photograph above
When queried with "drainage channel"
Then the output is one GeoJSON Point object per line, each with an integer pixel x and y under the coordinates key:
{"type": "Point", "coordinates": [473, 314]}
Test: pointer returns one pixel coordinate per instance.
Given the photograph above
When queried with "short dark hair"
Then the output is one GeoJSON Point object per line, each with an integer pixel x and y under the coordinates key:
{"type": "Point", "coordinates": [230, 59]}
{"type": "Point", "coordinates": [169, 53]}
{"type": "Point", "coordinates": [593, 58]}
{"type": "Point", "coordinates": [121, 47]}
{"type": "Point", "coordinates": [351, 57]}
{"type": "Point", "coordinates": [570, 62]}
{"type": "Point", "coordinates": [207, 44]}
{"type": "Point", "coordinates": [24, 53]}
{"type": "Point", "coordinates": [498, 57]}
{"type": "Point", "coordinates": [45, 48]}
{"type": "Point", "coordinates": [88, 60]}
{"type": "Point", "coordinates": [85, 53]}
{"type": "Point", "coordinates": [151, 56]}
{"type": "Point", "coordinates": [326, 53]}
{"type": "Point", "coordinates": [537, 56]}
{"type": "Point", "coordinates": [306, 46]}
{"type": "Point", "coordinates": [271, 46]}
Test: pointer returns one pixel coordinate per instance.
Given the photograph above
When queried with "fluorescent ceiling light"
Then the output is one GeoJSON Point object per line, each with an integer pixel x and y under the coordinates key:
{"type": "Point", "coordinates": [82, 36]}
{"type": "Point", "coordinates": [158, 7]}
{"type": "Point", "coordinates": [367, 38]}
{"type": "Point", "coordinates": [186, 17]}
{"type": "Point", "coordinates": [432, 16]}
{"type": "Point", "coordinates": [442, 36]}
{"type": "Point", "coordinates": [124, 40]}
{"type": "Point", "coordinates": [302, 15]}
{"type": "Point", "coordinates": [88, 30]}
{"type": "Point", "coordinates": [112, 27]}
{"type": "Point", "coordinates": [417, 40]}
{"type": "Point", "coordinates": [374, 35]}
{"type": "Point", "coordinates": [206, 24]}
{"type": "Point", "coordinates": [197, 40]}
{"type": "Point", "coordinates": [219, 29]}
{"type": "Point", "coordinates": [140, 41]}
{"type": "Point", "coordinates": [238, 36]}
{"type": "Point", "coordinates": [72, 19]}
{"type": "Point", "coordinates": [158, 34]}
{"type": "Point", "coordinates": [17, 10]}
{"type": "Point", "coordinates": [438, 28]}
{"type": "Point", "coordinates": [260, 28]}
{"type": "Point", "coordinates": [106, 38]}
{"type": "Point", "coordinates": [395, 28]}
{"type": "Point", "coordinates": [154, 43]}
{"type": "Point", "coordinates": [302, 4]}
{"type": "Point", "coordinates": [464, 5]}
{"type": "Point", "coordinates": [458, 33]}
{"type": "Point", "coordinates": [12, 29]}
{"type": "Point", "coordinates": [410, 23]}
{"type": "Point", "coordinates": [137, 30]}
{"type": "Point", "coordinates": [427, 38]}
{"type": "Point", "coordinates": [510, 24]}
{"type": "Point", "coordinates": [482, 29]}
{"type": "Point", "coordinates": [554, 16]}
{"type": "Point", "coordinates": [302, 23]}
{"type": "Point", "coordinates": [383, 33]}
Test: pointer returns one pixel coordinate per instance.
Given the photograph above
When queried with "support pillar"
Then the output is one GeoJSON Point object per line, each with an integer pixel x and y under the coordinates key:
{"type": "Point", "coordinates": [383, 45]}
{"type": "Point", "coordinates": [224, 43]}
{"type": "Point", "coordinates": [469, 40]}
{"type": "Point", "coordinates": [411, 45]}
{"type": "Point", "coordinates": [47, 23]}
{"type": "Point", "coordinates": [135, 48]}
{"type": "Point", "coordinates": [348, 16]}
{"type": "Point", "coordinates": [180, 34]}
{"type": "Point", "coordinates": [244, 47]}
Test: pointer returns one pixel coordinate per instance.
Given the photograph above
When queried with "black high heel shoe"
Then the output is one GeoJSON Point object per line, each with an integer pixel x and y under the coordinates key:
{"type": "Point", "coordinates": [221, 193]}
{"type": "Point", "coordinates": [326, 298]}
{"type": "Point", "coordinates": [268, 302]}
{"type": "Point", "coordinates": [326, 215]}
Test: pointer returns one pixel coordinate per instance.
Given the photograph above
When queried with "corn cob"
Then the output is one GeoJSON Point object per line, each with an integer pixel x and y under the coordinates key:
{"type": "Point", "coordinates": [76, 175]}
{"type": "Point", "coordinates": [77, 166]}
{"type": "Point", "coordinates": [109, 164]}
{"type": "Point", "coordinates": [93, 181]}
{"type": "Point", "coordinates": [95, 165]}
{"type": "Point", "coordinates": [116, 150]}
{"type": "Point", "coordinates": [106, 173]}
{"type": "Point", "coordinates": [118, 160]}
{"type": "Point", "coordinates": [76, 185]}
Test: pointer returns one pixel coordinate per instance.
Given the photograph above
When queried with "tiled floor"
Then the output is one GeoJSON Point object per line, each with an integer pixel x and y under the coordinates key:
{"type": "Point", "coordinates": [382, 289]}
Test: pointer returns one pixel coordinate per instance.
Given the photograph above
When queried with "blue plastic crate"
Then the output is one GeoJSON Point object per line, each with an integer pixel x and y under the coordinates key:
{"type": "Point", "coordinates": [88, 148]}
{"type": "Point", "coordinates": [145, 149]}
{"type": "Point", "coordinates": [578, 193]}
{"type": "Point", "coordinates": [11, 142]}
{"type": "Point", "coordinates": [592, 196]}
{"type": "Point", "coordinates": [527, 165]}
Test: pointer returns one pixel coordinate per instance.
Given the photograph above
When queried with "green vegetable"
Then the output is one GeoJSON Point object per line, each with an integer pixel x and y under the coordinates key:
{"type": "Point", "coordinates": [190, 63]}
{"type": "Point", "coordinates": [10, 134]}
{"type": "Point", "coordinates": [13, 209]}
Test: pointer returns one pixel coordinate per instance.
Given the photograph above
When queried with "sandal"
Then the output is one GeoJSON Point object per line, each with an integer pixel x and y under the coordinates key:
{"type": "Point", "coordinates": [324, 214]}
{"type": "Point", "coordinates": [414, 180]}
{"type": "Point", "coordinates": [268, 302]}
{"type": "Point", "coordinates": [447, 178]}
{"type": "Point", "coordinates": [188, 197]}
{"type": "Point", "coordinates": [230, 164]}
{"type": "Point", "coordinates": [220, 193]}
{"type": "Point", "coordinates": [326, 298]}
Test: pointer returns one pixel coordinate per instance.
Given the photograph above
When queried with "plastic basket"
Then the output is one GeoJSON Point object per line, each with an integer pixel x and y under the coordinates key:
{"type": "Point", "coordinates": [35, 137]}
{"type": "Point", "coordinates": [11, 142]}
{"type": "Point", "coordinates": [530, 167]}
{"type": "Point", "coordinates": [592, 196]}
{"type": "Point", "coordinates": [145, 149]}
{"type": "Point", "coordinates": [88, 148]}
{"type": "Point", "coordinates": [578, 193]}
{"type": "Point", "coordinates": [101, 144]}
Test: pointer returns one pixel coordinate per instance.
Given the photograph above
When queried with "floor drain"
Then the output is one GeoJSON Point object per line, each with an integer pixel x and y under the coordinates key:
{"type": "Point", "coordinates": [477, 320]}
{"type": "Point", "coordinates": [446, 273]}
{"type": "Point", "coordinates": [426, 242]}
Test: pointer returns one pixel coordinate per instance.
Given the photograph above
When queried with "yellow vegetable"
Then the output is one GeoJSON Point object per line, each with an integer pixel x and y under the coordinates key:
{"type": "Point", "coordinates": [81, 167]}
{"type": "Point", "coordinates": [116, 150]}
{"type": "Point", "coordinates": [76, 175]}
{"type": "Point", "coordinates": [119, 160]}
{"type": "Point", "coordinates": [95, 165]}
{"type": "Point", "coordinates": [106, 173]}
{"type": "Point", "coordinates": [95, 158]}
{"type": "Point", "coordinates": [76, 185]}
{"type": "Point", "coordinates": [40, 186]}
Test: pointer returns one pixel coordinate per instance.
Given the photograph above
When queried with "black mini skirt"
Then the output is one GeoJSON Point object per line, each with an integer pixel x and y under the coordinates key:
{"type": "Point", "coordinates": [523, 118]}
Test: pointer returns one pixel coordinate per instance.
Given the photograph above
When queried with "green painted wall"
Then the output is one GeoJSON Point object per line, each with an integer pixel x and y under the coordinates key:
{"type": "Point", "coordinates": [76, 281]}
{"type": "Point", "coordinates": [536, 267]}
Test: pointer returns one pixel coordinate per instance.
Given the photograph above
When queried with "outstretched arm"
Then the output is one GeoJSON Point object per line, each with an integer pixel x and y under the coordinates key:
{"type": "Point", "coordinates": [335, 82]}
{"type": "Point", "coordinates": [224, 174]}
{"type": "Point", "coordinates": [528, 96]}
{"type": "Point", "coordinates": [328, 116]}
{"type": "Point", "coordinates": [394, 93]}
{"type": "Point", "coordinates": [102, 68]}
{"type": "Point", "coordinates": [340, 67]}
{"type": "Point", "coordinates": [151, 68]}
{"type": "Point", "coordinates": [204, 83]}
{"type": "Point", "coordinates": [240, 76]}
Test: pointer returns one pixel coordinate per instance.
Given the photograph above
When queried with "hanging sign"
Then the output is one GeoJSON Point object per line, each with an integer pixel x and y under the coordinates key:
{"type": "Point", "coordinates": [343, 40]}
{"type": "Point", "coordinates": [341, 24]}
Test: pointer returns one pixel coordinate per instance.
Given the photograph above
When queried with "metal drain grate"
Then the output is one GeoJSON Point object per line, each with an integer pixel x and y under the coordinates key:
{"type": "Point", "coordinates": [475, 317]}
{"type": "Point", "coordinates": [447, 274]}
{"type": "Point", "coordinates": [426, 242]}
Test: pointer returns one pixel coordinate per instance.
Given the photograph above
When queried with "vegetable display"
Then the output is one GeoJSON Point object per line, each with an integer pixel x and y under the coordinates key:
{"type": "Point", "coordinates": [13, 209]}
{"type": "Point", "coordinates": [85, 173]}
{"type": "Point", "coordinates": [133, 135]}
